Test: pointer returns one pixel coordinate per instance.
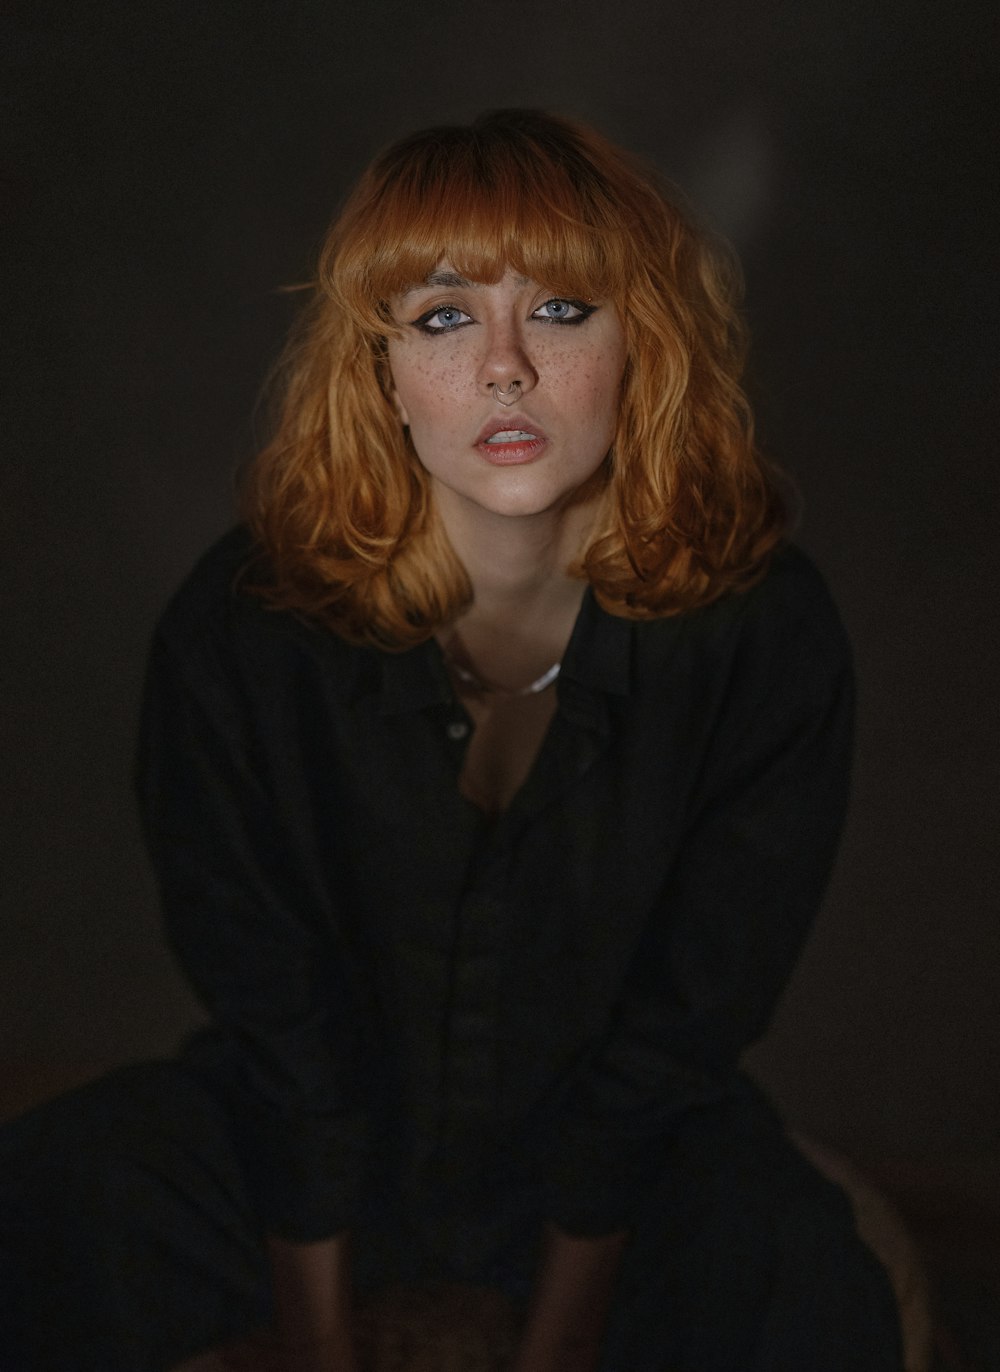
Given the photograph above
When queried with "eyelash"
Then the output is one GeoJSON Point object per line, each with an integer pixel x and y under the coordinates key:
{"type": "Point", "coordinates": [585, 311]}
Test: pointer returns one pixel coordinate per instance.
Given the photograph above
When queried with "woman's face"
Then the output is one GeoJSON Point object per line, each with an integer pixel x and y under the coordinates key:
{"type": "Point", "coordinates": [462, 339]}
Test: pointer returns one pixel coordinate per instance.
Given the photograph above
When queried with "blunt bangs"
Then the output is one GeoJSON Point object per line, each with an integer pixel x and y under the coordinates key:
{"type": "Point", "coordinates": [485, 199]}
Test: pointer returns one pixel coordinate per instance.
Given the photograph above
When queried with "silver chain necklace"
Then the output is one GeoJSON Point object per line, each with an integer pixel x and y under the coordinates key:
{"type": "Point", "coordinates": [533, 688]}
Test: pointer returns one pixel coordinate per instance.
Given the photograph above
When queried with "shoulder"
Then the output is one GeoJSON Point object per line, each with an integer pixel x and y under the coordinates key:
{"type": "Point", "coordinates": [789, 651]}
{"type": "Point", "coordinates": [210, 594]}
{"type": "Point", "coordinates": [791, 604]}
{"type": "Point", "coordinates": [766, 648]}
{"type": "Point", "coordinates": [217, 619]}
{"type": "Point", "coordinates": [790, 601]}
{"type": "Point", "coordinates": [792, 580]}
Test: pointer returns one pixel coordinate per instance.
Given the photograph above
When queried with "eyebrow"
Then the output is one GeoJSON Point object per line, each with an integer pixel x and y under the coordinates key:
{"type": "Point", "coordinates": [452, 281]}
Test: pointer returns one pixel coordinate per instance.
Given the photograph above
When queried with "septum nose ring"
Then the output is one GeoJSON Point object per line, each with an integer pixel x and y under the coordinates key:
{"type": "Point", "coordinates": [507, 395]}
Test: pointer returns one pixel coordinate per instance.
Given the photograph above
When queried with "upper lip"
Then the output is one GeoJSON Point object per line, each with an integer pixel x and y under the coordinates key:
{"type": "Point", "coordinates": [509, 421]}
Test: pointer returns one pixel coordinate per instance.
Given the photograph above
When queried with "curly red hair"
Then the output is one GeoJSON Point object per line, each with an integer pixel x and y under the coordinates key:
{"type": "Point", "coordinates": [339, 500]}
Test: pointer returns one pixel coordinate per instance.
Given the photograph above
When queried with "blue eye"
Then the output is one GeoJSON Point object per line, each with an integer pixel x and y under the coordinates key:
{"type": "Point", "coordinates": [442, 319]}
{"type": "Point", "coordinates": [559, 311]}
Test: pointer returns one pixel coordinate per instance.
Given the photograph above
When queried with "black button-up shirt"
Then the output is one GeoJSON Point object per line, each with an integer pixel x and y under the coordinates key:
{"type": "Point", "coordinates": [393, 976]}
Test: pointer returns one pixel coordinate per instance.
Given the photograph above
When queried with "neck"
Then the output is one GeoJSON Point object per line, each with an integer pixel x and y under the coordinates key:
{"type": "Point", "coordinates": [513, 562]}
{"type": "Point", "coordinates": [524, 601]}
{"type": "Point", "coordinates": [517, 563]}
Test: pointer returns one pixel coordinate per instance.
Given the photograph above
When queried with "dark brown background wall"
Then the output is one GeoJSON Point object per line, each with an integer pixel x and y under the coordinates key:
{"type": "Point", "coordinates": [171, 167]}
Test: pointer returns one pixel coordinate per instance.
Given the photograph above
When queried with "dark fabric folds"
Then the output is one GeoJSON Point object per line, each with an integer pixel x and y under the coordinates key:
{"type": "Point", "coordinates": [396, 984]}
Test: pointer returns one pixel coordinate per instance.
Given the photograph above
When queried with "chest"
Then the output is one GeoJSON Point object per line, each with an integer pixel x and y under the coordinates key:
{"type": "Point", "coordinates": [507, 735]}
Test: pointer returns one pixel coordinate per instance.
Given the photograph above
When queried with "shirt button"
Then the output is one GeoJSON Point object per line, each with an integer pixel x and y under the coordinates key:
{"type": "Point", "coordinates": [457, 729]}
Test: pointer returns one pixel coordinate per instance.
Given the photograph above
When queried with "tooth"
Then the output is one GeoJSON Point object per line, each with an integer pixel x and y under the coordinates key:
{"type": "Point", "coordinates": [509, 436]}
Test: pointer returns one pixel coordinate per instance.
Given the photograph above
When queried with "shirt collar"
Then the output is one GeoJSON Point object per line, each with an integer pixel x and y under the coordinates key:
{"type": "Point", "coordinates": [599, 654]}
{"type": "Point", "coordinates": [413, 679]}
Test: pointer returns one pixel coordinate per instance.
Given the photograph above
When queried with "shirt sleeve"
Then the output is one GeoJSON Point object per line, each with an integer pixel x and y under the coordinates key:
{"type": "Point", "coordinates": [254, 939]}
{"type": "Point", "coordinates": [730, 919]}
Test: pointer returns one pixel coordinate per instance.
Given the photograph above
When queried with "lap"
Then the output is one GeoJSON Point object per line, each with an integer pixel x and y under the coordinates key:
{"type": "Point", "coordinates": [133, 1235]}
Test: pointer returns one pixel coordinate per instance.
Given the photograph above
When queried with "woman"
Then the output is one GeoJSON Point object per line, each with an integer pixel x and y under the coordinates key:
{"type": "Point", "coordinates": [492, 775]}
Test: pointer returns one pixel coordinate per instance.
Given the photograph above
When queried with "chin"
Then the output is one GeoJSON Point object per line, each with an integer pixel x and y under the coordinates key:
{"type": "Point", "coordinates": [524, 507]}
{"type": "Point", "coordinates": [529, 493]}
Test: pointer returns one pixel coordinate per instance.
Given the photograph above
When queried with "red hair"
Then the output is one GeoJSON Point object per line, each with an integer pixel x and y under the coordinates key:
{"type": "Point", "coordinates": [339, 500]}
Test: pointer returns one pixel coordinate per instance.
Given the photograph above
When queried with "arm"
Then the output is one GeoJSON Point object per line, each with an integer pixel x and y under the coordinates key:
{"type": "Point", "coordinates": [313, 1325]}
{"type": "Point", "coordinates": [245, 908]}
{"type": "Point", "coordinates": [573, 1290]}
{"type": "Point", "coordinates": [725, 928]}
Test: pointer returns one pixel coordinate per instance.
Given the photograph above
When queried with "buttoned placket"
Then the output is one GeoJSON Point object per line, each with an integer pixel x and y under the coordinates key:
{"type": "Point", "coordinates": [469, 1090]}
{"type": "Point", "coordinates": [473, 1021]}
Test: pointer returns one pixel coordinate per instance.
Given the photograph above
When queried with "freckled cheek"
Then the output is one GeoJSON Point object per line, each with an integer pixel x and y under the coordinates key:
{"type": "Point", "coordinates": [440, 379]}
{"type": "Point", "coordinates": [593, 379]}
{"type": "Point", "coordinates": [430, 393]}
{"type": "Point", "coordinates": [426, 389]}
{"type": "Point", "coordinates": [598, 389]}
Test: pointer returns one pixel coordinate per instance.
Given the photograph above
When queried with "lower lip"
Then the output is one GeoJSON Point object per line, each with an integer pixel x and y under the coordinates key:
{"type": "Point", "coordinates": [511, 454]}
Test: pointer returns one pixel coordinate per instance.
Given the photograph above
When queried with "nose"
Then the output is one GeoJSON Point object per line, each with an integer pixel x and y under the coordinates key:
{"type": "Point", "coordinates": [505, 358]}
